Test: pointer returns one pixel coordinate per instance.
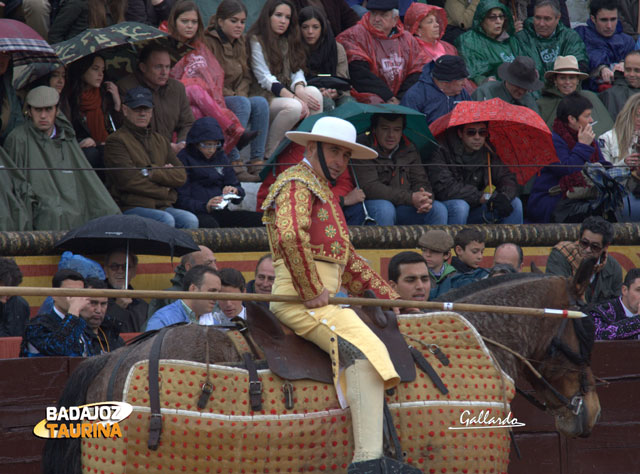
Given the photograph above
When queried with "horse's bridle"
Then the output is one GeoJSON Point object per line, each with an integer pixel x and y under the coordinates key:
{"type": "Point", "coordinates": [576, 403]}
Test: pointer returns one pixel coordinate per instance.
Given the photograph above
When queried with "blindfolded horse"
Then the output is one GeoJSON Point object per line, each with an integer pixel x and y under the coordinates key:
{"type": "Point", "coordinates": [558, 350]}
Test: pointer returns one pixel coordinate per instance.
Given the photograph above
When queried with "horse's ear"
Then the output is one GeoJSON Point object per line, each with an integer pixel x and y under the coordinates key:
{"type": "Point", "coordinates": [535, 268]}
{"type": "Point", "coordinates": [582, 276]}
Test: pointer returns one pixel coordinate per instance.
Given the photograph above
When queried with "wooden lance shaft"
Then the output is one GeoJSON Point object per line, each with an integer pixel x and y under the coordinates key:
{"type": "Point", "coordinates": [432, 305]}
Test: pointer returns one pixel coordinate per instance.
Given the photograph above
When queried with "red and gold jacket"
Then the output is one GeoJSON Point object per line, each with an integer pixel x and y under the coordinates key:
{"type": "Point", "coordinates": [305, 223]}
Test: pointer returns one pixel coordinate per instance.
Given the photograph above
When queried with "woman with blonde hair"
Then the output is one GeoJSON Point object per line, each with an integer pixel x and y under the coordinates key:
{"type": "Point", "coordinates": [621, 146]}
{"type": "Point", "coordinates": [277, 62]}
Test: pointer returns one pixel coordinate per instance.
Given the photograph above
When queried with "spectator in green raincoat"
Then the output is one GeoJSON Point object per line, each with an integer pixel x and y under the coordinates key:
{"type": "Point", "coordinates": [490, 42]}
{"type": "Point", "coordinates": [64, 198]}
{"type": "Point", "coordinates": [544, 38]}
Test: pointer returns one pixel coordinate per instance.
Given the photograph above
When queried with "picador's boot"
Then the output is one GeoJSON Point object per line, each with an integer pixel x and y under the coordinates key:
{"type": "Point", "coordinates": [382, 466]}
{"type": "Point", "coordinates": [242, 174]}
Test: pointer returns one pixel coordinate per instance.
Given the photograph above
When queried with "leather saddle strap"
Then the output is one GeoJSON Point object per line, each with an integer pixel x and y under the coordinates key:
{"type": "Point", "coordinates": [155, 423]}
{"type": "Point", "coordinates": [391, 434]}
{"type": "Point", "coordinates": [255, 385]}
{"type": "Point", "coordinates": [427, 369]}
{"type": "Point", "coordinates": [241, 326]}
{"type": "Point", "coordinates": [207, 387]}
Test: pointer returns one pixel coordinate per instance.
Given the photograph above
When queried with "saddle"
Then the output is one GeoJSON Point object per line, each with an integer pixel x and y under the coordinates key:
{"type": "Point", "coordinates": [292, 357]}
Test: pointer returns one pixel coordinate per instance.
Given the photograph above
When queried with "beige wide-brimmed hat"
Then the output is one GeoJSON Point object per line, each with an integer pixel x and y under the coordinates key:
{"type": "Point", "coordinates": [337, 131]}
{"type": "Point", "coordinates": [566, 65]}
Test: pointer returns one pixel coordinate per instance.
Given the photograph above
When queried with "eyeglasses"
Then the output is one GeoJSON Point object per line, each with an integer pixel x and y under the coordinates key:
{"type": "Point", "coordinates": [495, 17]}
{"type": "Point", "coordinates": [472, 132]}
{"type": "Point", "coordinates": [585, 244]}
{"type": "Point", "coordinates": [114, 267]}
{"type": "Point", "coordinates": [210, 146]}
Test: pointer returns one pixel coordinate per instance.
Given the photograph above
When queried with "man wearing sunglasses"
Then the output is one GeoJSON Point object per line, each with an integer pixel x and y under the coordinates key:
{"type": "Point", "coordinates": [459, 173]}
{"type": "Point", "coordinates": [595, 236]}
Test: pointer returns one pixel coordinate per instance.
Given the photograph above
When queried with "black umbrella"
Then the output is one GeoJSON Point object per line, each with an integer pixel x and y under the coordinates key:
{"type": "Point", "coordinates": [132, 233]}
{"type": "Point", "coordinates": [139, 234]}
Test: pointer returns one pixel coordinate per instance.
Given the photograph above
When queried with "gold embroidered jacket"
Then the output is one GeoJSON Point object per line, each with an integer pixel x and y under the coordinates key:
{"type": "Point", "coordinates": [305, 223]}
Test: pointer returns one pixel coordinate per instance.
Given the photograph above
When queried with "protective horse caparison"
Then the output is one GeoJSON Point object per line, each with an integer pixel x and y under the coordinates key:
{"type": "Point", "coordinates": [560, 352]}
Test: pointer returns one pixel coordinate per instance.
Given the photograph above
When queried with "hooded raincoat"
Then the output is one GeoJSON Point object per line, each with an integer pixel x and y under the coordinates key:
{"type": "Point", "coordinates": [204, 183]}
{"type": "Point", "coordinates": [426, 97]}
{"type": "Point", "coordinates": [483, 54]}
{"type": "Point", "coordinates": [544, 51]}
{"type": "Point", "coordinates": [604, 51]}
{"type": "Point", "coordinates": [418, 12]}
{"type": "Point", "coordinates": [16, 197]}
{"type": "Point", "coordinates": [551, 97]}
{"type": "Point", "coordinates": [381, 67]}
{"type": "Point", "coordinates": [64, 199]}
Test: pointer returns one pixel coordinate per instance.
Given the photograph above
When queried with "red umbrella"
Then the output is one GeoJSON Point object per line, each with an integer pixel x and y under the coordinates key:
{"type": "Point", "coordinates": [24, 44]}
{"type": "Point", "coordinates": [518, 134]}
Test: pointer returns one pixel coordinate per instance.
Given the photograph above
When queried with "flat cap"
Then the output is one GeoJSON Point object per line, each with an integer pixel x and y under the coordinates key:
{"type": "Point", "coordinates": [436, 240]}
{"type": "Point", "coordinates": [383, 5]}
{"type": "Point", "coordinates": [43, 96]}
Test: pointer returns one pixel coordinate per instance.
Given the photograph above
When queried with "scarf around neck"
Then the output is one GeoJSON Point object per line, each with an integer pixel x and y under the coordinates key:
{"type": "Point", "coordinates": [570, 136]}
{"type": "Point", "coordinates": [91, 106]}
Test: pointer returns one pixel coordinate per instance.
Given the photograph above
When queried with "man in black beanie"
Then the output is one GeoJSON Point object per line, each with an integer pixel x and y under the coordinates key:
{"type": "Point", "coordinates": [439, 88]}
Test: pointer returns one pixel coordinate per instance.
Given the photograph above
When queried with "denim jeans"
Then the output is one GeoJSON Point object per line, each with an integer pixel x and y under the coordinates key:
{"type": "Point", "coordinates": [252, 111]}
{"type": "Point", "coordinates": [385, 213]}
{"type": "Point", "coordinates": [459, 212]}
{"type": "Point", "coordinates": [171, 216]}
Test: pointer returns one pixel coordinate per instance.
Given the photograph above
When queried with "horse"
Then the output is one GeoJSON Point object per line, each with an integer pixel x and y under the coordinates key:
{"type": "Point", "coordinates": [559, 351]}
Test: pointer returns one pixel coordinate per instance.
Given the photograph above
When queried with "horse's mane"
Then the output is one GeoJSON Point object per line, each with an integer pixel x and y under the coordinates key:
{"type": "Point", "coordinates": [481, 285]}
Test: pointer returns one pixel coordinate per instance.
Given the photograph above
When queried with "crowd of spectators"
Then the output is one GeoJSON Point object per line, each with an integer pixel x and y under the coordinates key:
{"type": "Point", "coordinates": [86, 326]}
{"type": "Point", "coordinates": [235, 88]}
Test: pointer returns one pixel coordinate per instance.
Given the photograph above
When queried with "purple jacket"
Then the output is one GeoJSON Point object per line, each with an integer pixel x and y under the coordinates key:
{"type": "Point", "coordinates": [612, 323]}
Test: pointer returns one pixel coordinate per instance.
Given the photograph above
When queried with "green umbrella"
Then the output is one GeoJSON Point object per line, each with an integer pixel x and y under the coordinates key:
{"type": "Point", "coordinates": [359, 115]}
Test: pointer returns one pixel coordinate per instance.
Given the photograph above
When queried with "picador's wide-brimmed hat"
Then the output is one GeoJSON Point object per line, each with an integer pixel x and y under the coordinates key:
{"type": "Point", "coordinates": [566, 65]}
{"type": "Point", "coordinates": [337, 131]}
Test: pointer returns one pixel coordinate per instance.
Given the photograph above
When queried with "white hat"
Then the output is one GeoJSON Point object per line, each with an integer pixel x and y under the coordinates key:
{"type": "Point", "coordinates": [337, 131]}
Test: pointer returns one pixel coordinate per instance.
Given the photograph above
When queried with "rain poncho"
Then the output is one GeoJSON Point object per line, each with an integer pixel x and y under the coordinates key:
{"type": "Point", "coordinates": [605, 51]}
{"type": "Point", "coordinates": [551, 97]}
{"type": "Point", "coordinates": [16, 197]}
{"type": "Point", "coordinates": [64, 199]}
{"type": "Point", "coordinates": [617, 95]}
{"type": "Point", "coordinates": [418, 12]}
{"type": "Point", "coordinates": [544, 51]}
{"type": "Point", "coordinates": [392, 59]}
{"type": "Point", "coordinates": [482, 54]}
{"type": "Point", "coordinates": [203, 79]}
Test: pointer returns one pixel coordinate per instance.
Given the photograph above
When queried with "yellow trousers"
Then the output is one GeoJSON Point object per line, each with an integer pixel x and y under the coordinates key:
{"type": "Point", "coordinates": [323, 326]}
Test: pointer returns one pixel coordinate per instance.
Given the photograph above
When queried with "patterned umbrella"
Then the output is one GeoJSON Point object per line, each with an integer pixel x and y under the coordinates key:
{"type": "Point", "coordinates": [100, 39]}
{"type": "Point", "coordinates": [519, 135]}
{"type": "Point", "coordinates": [24, 44]}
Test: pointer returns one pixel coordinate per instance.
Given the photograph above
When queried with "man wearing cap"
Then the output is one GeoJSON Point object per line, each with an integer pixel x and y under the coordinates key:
{"type": "Point", "coordinates": [519, 79]}
{"type": "Point", "coordinates": [148, 190]}
{"type": "Point", "coordinates": [436, 248]}
{"type": "Point", "coordinates": [440, 88]}
{"type": "Point", "coordinates": [172, 112]}
{"type": "Point", "coordinates": [64, 198]}
{"type": "Point", "coordinates": [544, 37]}
{"type": "Point", "coordinates": [385, 60]}
{"type": "Point", "coordinates": [312, 258]}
